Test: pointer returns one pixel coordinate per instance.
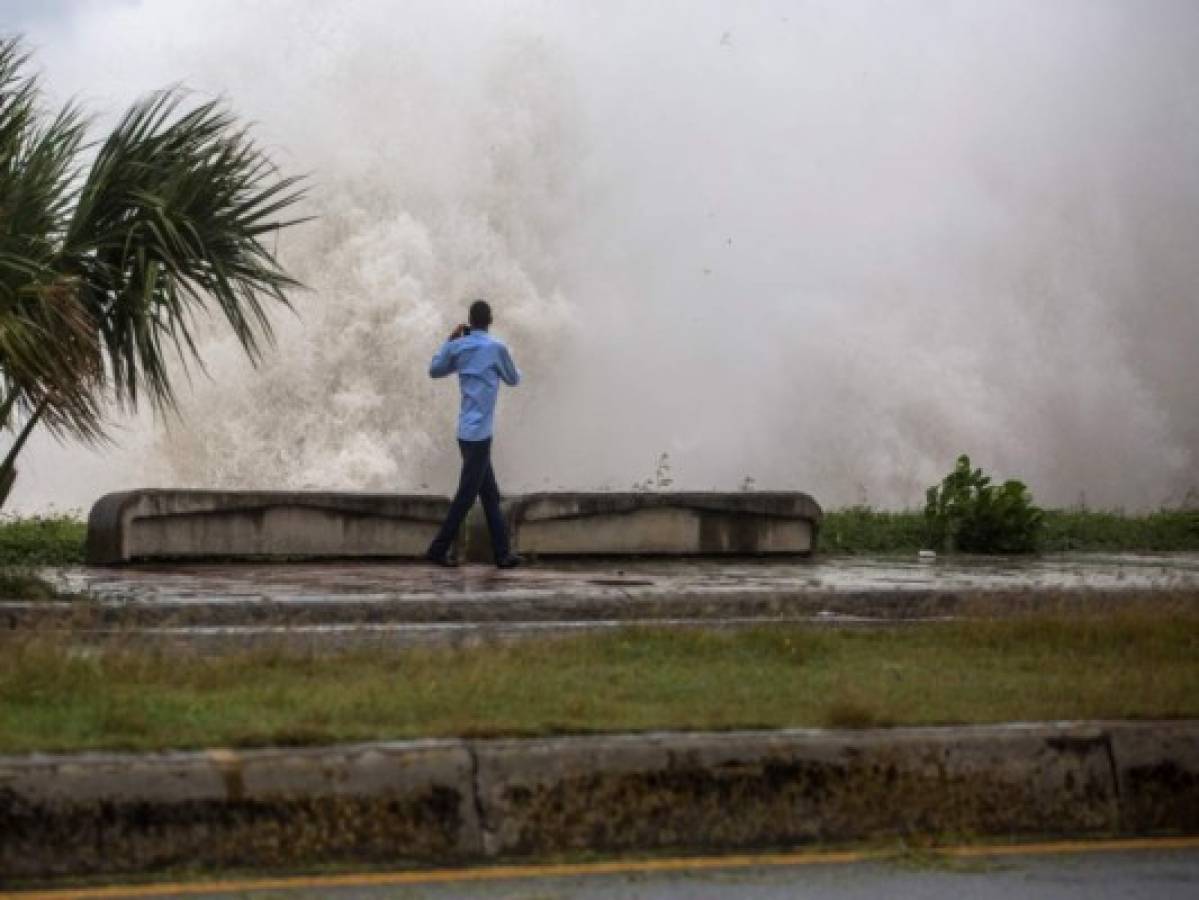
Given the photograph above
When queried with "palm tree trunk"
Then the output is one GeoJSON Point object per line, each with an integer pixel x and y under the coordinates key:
{"type": "Point", "coordinates": [6, 407]}
{"type": "Point", "coordinates": [8, 468]}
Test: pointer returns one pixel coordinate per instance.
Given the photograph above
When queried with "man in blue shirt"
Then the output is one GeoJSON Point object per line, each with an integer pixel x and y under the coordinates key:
{"type": "Point", "coordinates": [481, 363]}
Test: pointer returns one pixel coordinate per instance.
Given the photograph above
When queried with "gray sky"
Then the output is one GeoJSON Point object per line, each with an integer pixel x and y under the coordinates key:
{"type": "Point", "coordinates": [20, 13]}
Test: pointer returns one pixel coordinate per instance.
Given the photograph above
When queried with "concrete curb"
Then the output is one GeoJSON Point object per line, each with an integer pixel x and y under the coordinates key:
{"type": "Point", "coordinates": [97, 813]}
{"type": "Point", "coordinates": [436, 801]}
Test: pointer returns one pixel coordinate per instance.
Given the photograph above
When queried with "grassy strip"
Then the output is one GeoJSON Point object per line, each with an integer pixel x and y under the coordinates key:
{"type": "Point", "coordinates": [1091, 530]}
{"type": "Point", "coordinates": [18, 585]}
{"type": "Point", "coordinates": [1132, 663]}
{"type": "Point", "coordinates": [59, 540]}
{"type": "Point", "coordinates": [42, 541]}
{"type": "Point", "coordinates": [863, 530]}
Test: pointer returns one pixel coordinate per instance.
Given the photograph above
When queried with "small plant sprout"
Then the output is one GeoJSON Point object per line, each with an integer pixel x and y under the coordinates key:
{"type": "Point", "coordinates": [662, 477]}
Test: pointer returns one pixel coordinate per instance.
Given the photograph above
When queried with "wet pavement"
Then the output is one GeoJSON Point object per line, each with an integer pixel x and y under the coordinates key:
{"type": "Point", "coordinates": [1160, 875]}
{"type": "Point", "coordinates": [335, 604]}
{"type": "Point", "coordinates": [304, 582]}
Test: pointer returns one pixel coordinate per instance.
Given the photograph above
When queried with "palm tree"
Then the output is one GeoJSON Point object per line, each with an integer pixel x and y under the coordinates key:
{"type": "Point", "coordinates": [108, 252]}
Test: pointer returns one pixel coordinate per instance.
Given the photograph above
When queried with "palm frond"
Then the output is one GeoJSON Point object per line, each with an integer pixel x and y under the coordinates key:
{"type": "Point", "coordinates": [104, 273]}
{"type": "Point", "coordinates": [48, 350]}
{"type": "Point", "coordinates": [66, 383]}
{"type": "Point", "coordinates": [171, 220]}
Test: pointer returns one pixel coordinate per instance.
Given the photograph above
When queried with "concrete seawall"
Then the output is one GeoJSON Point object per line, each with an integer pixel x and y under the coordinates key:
{"type": "Point", "coordinates": [147, 525]}
{"type": "Point", "coordinates": [182, 524]}
{"type": "Point", "coordinates": [436, 801]}
{"type": "Point", "coordinates": [677, 524]}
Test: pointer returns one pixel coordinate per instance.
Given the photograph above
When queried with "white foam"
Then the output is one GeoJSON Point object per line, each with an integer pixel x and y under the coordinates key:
{"type": "Point", "coordinates": [827, 246]}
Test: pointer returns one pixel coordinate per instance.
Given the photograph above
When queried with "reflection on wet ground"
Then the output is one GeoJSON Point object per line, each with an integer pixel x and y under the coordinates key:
{"type": "Point", "coordinates": [327, 605]}
{"type": "Point", "coordinates": [398, 581]}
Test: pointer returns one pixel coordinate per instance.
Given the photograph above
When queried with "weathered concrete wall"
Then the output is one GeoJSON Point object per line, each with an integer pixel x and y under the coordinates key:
{"type": "Point", "coordinates": [751, 790]}
{"type": "Point", "coordinates": [179, 524]}
{"type": "Point", "coordinates": [436, 800]}
{"type": "Point", "coordinates": [1157, 772]}
{"type": "Point", "coordinates": [98, 813]}
{"type": "Point", "coordinates": [660, 524]}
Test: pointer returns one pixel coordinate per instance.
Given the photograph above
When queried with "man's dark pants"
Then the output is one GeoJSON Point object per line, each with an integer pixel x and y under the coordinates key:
{"type": "Point", "coordinates": [478, 480]}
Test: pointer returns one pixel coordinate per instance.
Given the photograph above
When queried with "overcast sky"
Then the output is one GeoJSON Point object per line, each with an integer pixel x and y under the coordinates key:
{"type": "Point", "coordinates": [19, 13]}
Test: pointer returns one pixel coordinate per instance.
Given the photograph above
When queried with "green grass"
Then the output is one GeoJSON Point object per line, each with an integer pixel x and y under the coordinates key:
{"type": "Point", "coordinates": [55, 540]}
{"type": "Point", "coordinates": [18, 585]}
{"type": "Point", "coordinates": [862, 530]}
{"type": "Point", "coordinates": [1092, 530]}
{"type": "Point", "coordinates": [1134, 663]}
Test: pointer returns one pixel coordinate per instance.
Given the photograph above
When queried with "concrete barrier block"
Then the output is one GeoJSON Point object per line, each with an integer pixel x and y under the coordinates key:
{"type": "Point", "coordinates": [98, 813]}
{"type": "Point", "coordinates": [188, 524]}
{"type": "Point", "coordinates": [679, 791]}
{"type": "Point", "coordinates": [1157, 767]}
{"type": "Point", "coordinates": [182, 524]}
{"type": "Point", "coordinates": [668, 524]}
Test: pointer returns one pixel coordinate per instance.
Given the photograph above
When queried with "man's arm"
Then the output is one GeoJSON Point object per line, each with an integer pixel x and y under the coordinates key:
{"type": "Point", "coordinates": [443, 361]}
{"type": "Point", "coordinates": [507, 368]}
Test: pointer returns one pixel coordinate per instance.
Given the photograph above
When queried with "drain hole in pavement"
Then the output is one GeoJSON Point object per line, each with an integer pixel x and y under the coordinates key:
{"type": "Point", "coordinates": [620, 582]}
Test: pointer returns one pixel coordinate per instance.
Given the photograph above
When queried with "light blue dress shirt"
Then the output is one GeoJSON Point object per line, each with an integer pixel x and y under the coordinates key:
{"type": "Point", "coordinates": [480, 361]}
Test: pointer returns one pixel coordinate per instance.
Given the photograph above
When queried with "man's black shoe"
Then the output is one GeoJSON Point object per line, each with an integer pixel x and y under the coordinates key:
{"type": "Point", "coordinates": [511, 561]}
{"type": "Point", "coordinates": [448, 561]}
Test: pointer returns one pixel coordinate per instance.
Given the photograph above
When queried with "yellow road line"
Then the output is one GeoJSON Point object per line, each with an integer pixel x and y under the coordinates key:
{"type": "Point", "coordinates": [613, 867]}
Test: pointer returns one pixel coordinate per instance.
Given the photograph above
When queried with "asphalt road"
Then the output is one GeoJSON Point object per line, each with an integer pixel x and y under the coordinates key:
{"type": "Point", "coordinates": [1159, 873]}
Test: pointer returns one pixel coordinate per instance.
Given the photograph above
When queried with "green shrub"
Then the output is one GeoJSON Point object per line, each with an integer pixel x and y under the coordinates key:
{"type": "Point", "coordinates": [1169, 530]}
{"type": "Point", "coordinates": [969, 514]}
{"type": "Point", "coordinates": [25, 586]}
{"type": "Point", "coordinates": [860, 529]}
{"type": "Point", "coordinates": [54, 540]}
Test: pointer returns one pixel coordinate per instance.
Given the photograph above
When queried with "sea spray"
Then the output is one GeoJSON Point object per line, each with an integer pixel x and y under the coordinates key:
{"type": "Point", "coordinates": [830, 246]}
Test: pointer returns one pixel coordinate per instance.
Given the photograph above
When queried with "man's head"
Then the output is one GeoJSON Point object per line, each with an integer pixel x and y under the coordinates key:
{"type": "Point", "coordinates": [480, 314]}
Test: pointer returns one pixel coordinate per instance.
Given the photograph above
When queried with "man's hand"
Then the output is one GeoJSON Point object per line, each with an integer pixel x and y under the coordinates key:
{"type": "Point", "coordinates": [460, 331]}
